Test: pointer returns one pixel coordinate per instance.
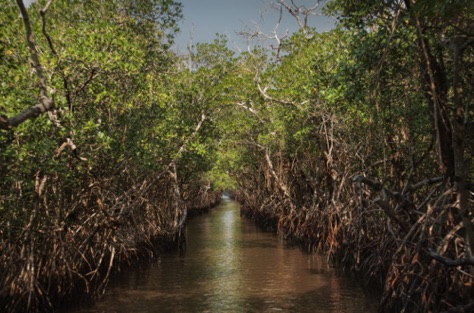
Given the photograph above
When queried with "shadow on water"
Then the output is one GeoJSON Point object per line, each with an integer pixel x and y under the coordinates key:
{"type": "Point", "coordinates": [232, 266]}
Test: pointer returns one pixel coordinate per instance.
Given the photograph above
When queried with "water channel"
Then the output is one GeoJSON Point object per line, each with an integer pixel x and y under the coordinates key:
{"type": "Point", "coordinates": [232, 266]}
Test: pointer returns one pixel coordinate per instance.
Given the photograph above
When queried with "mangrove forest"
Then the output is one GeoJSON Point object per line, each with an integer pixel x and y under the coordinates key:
{"type": "Point", "coordinates": [356, 143]}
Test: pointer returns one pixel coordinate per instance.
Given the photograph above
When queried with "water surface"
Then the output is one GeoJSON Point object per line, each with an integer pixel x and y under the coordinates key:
{"type": "Point", "coordinates": [232, 266]}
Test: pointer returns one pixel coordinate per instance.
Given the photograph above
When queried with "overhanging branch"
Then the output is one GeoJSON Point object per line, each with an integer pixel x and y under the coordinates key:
{"type": "Point", "coordinates": [45, 103]}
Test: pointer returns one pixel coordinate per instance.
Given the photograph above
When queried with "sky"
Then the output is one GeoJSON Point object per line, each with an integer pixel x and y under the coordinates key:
{"type": "Point", "coordinates": [204, 18]}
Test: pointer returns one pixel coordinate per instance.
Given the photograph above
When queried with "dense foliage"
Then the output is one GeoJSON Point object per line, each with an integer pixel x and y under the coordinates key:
{"type": "Point", "coordinates": [113, 164]}
{"type": "Point", "coordinates": [357, 142]}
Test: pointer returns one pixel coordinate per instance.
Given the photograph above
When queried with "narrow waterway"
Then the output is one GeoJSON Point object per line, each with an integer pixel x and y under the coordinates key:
{"type": "Point", "coordinates": [232, 266]}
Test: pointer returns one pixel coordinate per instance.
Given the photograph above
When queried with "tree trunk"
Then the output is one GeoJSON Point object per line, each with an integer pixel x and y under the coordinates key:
{"type": "Point", "coordinates": [45, 103]}
{"type": "Point", "coordinates": [460, 177]}
{"type": "Point", "coordinates": [436, 95]}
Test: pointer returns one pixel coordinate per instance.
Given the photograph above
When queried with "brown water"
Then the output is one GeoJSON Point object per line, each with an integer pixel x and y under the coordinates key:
{"type": "Point", "coordinates": [232, 266]}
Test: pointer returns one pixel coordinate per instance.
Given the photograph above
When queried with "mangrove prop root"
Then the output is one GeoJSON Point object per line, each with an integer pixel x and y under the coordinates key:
{"type": "Point", "coordinates": [410, 241]}
{"type": "Point", "coordinates": [68, 243]}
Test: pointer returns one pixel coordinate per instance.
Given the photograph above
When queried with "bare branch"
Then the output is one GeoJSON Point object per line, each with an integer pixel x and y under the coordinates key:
{"type": "Point", "coordinates": [263, 92]}
{"type": "Point", "coordinates": [46, 7]}
{"type": "Point", "coordinates": [70, 144]}
{"type": "Point", "coordinates": [45, 103]}
{"type": "Point", "coordinates": [43, 26]}
{"type": "Point", "coordinates": [300, 12]}
{"type": "Point", "coordinates": [257, 33]}
{"type": "Point", "coordinates": [452, 263]}
{"type": "Point", "coordinates": [387, 208]}
{"type": "Point", "coordinates": [251, 110]}
{"type": "Point", "coordinates": [275, 35]}
{"type": "Point", "coordinates": [33, 52]}
{"type": "Point", "coordinates": [281, 185]}
{"type": "Point", "coordinates": [398, 197]}
{"type": "Point", "coordinates": [425, 182]}
{"type": "Point", "coordinates": [53, 50]}
{"type": "Point", "coordinates": [188, 140]}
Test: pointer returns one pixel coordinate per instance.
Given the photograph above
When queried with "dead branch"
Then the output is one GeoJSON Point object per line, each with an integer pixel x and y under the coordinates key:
{"type": "Point", "coordinates": [184, 146]}
{"type": "Point", "coordinates": [300, 12]}
{"type": "Point", "coordinates": [257, 33]}
{"type": "Point", "coordinates": [275, 35]}
{"type": "Point", "coordinates": [460, 308]}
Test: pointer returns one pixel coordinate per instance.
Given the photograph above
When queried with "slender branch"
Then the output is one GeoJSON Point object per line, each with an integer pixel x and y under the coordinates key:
{"type": "Point", "coordinates": [243, 105]}
{"type": "Point", "coordinates": [299, 12]}
{"type": "Point", "coordinates": [259, 34]}
{"type": "Point", "coordinates": [43, 28]}
{"type": "Point", "coordinates": [251, 110]}
{"type": "Point", "coordinates": [33, 52]}
{"type": "Point", "coordinates": [188, 140]}
{"type": "Point", "coordinates": [53, 50]}
{"type": "Point", "coordinates": [425, 182]}
{"type": "Point", "coordinates": [275, 35]}
{"type": "Point", "coordinates": [263, 92]}
{"type": "Point", "coordinates": [281, 185]}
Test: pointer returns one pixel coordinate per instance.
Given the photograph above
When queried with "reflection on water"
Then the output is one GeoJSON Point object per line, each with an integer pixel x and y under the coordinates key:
{"type": "Point", "coordinates": [231, 266]}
